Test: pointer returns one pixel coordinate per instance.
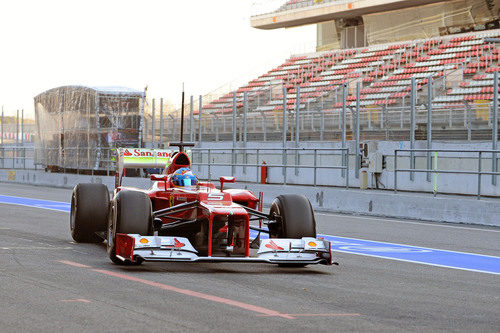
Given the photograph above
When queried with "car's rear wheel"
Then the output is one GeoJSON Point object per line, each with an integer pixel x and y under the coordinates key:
{"type": "Point", "coordinates": [130, 213]}
{"type": "Point", "coordinates": [89, 212]}
{"type": "Point", "coordinates": [296, 219]}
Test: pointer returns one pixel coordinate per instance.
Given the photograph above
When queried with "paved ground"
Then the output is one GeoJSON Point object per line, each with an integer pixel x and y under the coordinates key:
{"type": "Point", "coordinates": [43, 288]}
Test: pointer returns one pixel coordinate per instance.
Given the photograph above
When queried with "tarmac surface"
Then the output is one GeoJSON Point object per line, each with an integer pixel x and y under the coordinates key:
{"type": "Point", "coordinates": [48, 283]}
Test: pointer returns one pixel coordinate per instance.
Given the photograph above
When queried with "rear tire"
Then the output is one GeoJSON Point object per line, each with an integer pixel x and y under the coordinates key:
{"type": "Point", "coordinates": [130, 213]}
{"type": "Point", "coordinates": [89, 212]}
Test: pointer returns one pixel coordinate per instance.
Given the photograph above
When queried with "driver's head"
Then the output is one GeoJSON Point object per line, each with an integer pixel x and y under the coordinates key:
{"type": "Point", "coordinates": [184, 177]}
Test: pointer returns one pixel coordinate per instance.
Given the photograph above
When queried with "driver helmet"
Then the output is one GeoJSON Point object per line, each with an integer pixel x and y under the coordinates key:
{"type": "Point", "coordinates": [184, 177]}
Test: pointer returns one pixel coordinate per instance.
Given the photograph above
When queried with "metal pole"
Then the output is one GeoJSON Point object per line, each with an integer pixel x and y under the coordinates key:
{"type": "Point", "coordinates": [153, 125]}
{"type": "Point", "coordinates": [257, 164]}
{"type": "Point", "coordinates": [245, 111]}
{"type": "Point", "coordinates": [297, 129]}
{"type": "Point", "coordinates": [429, 126]}
{"type": "Point", "coordinates": [284, 136]}
{"type": "Point", "coordinates": [396, 171]}
{"type": "Point", "coordinates": [191, 121]}
{"type": "Point", "coordinates": [17, 128]}
{"type": "Point", "coordinates": [1, 137]}
{"type": "Point", "coordinates": [141, 121]}
{"type": "Point", "coordinates": [161, 122]}
{"type": "Point", "coordinates": [322, 127]}
{"type": "Point", "coordinates": [315, 164]}
{"type": "Point", "coordinates": [209, 163]}
{"type": "Point", "coordinates": [233, 155]}
{"type": "Point", "coordinates": [264, 126]}
{"type": "Point", "coordinates": [17, 139]}
{"type": "Point", "coordinates": [22, 127]}
{"type": "Point", "coordinates": [344, 102]}
{"type": "Point", "coordinates": [347, 170]}
{"type": "Point", "coordinates": [479, 177]}
{"type": "Point", "coordinates": [358, 101]}
{"type": "Point", "coordinates": [412, 127]}
{"type": "Point", "coordinates": [23, 151]}
{"type": "Point", "coordinates": [181, 135]}
{"type": "Point", "coordinates": [216, 129]}
{"type": "Point", "coordinates": [494, 135]}
{"type": "Point", "coordinates": [199, 120]}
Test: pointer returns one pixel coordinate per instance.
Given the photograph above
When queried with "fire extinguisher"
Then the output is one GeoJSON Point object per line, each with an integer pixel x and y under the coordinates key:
{"type": "Point", "coordinates": [263, 173]}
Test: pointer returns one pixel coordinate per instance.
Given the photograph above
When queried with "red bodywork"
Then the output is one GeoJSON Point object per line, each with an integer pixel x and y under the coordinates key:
{"type": "Point", "coordinates": [222, 212]}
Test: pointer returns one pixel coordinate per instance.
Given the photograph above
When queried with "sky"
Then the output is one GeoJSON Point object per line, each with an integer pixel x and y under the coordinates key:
{"type": "Point", "coordinates": [155, 43]}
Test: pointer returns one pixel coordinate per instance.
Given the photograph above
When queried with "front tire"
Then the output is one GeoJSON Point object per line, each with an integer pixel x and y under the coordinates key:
{"type": "Point", "coordinates": [130, 213]}
{"type": "Point", "coordinates": [296, 215]}
{"type": "Point", "coordinates": [89, 212]}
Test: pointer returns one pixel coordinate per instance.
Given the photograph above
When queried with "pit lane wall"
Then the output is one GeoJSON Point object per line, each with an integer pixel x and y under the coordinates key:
{"type": "Point", "coordinates": [404, 205]}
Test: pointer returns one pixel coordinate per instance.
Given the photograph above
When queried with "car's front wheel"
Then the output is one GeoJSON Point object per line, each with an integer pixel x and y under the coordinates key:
{"type": "Point", "coordinates": [295, 219]}
{"type": "Point", "coordinates": [130, 213]}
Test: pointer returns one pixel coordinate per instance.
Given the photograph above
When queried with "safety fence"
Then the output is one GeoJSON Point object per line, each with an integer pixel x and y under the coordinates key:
{"type": "Point", "coordinates": [476, 159]}
{"type": "Point", "coordinates": [314, 166]}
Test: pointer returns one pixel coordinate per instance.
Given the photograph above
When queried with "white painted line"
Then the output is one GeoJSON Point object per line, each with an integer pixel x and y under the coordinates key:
{"type": "Point", "coordinates": [432, 224]}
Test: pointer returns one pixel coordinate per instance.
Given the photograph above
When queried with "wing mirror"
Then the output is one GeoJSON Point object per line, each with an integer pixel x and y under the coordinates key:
{"type": "Point", "coordinates": [159, 177]}
{"type": "Point", "coordinates": [226, 179]}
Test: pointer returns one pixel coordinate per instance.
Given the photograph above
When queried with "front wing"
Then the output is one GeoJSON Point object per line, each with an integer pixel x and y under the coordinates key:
{"type": "Point", "coordinates": [304, 251]}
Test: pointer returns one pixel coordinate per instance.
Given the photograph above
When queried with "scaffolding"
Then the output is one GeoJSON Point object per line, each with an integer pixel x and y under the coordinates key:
{"type": "Point", "coordinates": [79, 127]}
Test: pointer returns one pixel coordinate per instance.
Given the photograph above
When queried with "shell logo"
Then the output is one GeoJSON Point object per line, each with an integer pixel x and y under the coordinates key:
{"type": "Point", "coordinates": [144, 241]}
{"type": "Point", "coordinates": [312, 244]}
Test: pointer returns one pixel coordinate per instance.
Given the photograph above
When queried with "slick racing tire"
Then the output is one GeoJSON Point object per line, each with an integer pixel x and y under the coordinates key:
{"type": "Point", "coordinates": [297, 220]}
{"type": "Point", "coordinates": [89, 212]}
{"type": "Point", "coordinates": [130, 213]}
{"type": "Point", "coordinates": [297, 217]}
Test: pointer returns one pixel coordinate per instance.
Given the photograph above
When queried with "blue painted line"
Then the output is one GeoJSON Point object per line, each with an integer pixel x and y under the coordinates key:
{"type": "Point", "coordinates": [414, 254]}
{"type": "Point", "coordinates": [37, 203]}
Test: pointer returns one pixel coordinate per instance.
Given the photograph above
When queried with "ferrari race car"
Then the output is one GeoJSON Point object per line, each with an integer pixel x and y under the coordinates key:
{"type": "Point", "coordinates": [185, 220]}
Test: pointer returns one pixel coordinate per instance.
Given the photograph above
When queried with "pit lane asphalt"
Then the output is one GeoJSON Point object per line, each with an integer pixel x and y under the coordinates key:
{"type": "Point", "coordinates": [40, 293]}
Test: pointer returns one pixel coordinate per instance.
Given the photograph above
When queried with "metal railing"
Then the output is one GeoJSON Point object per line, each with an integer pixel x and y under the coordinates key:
{"type": "Point", "coordinates": [197, 160]}
{"type": "Point", "coordinates": [16, 157]}
{"type": "Point", "coordinates": [435, 171]}
{"type": "Point", "coordinates": [76, 158]}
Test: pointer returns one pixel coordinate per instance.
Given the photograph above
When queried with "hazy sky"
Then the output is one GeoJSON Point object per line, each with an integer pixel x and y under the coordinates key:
{"type": "Point", "coordinates": [159, 43]}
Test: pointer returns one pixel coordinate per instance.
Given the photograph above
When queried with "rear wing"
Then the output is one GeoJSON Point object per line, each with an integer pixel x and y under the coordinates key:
{"type": "Point", "coordinates": [141, 158]}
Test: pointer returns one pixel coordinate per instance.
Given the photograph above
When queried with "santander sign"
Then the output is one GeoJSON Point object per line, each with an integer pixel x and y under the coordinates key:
{"type": "Point", "coordinates": [146, 153]}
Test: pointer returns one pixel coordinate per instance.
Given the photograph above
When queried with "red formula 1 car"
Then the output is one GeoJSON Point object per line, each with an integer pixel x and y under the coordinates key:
{"type": "Point", "coordinates": [182, 219]}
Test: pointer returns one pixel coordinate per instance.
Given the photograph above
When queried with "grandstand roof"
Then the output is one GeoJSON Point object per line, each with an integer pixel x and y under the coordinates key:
{"type": "Point", "coordinates": [106, 90]}
{"type": "Point", "coordinates": [329, 10]}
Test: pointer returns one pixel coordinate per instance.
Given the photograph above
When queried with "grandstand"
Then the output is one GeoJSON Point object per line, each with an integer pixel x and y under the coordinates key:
{"type": "Point", "coordinates": [461, 66]}
{"type": "Point", "coordinates": [385, 72]}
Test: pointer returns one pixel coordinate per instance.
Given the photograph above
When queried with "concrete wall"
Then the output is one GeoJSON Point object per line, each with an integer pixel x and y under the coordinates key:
{"type": "Point", "coordinates": [418, 206]}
